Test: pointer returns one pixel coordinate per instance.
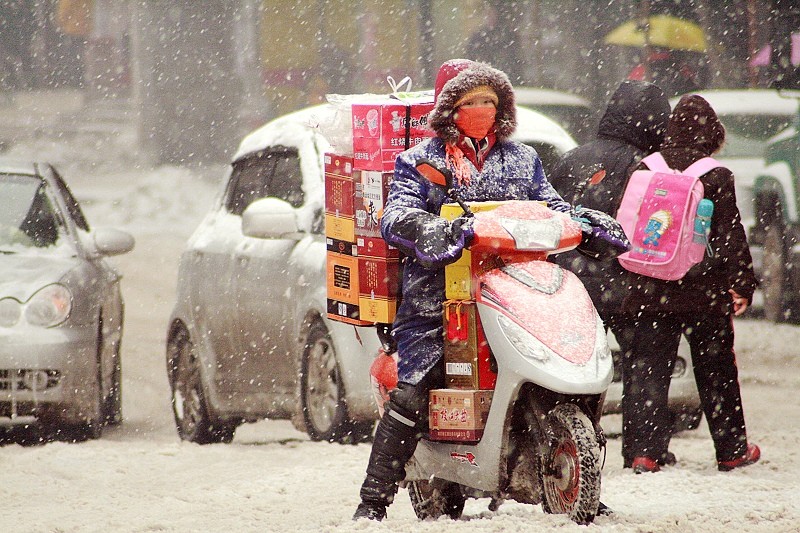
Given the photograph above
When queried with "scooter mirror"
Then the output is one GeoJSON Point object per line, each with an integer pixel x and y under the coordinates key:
{"type": "Point", "coordinates": [435, 174]}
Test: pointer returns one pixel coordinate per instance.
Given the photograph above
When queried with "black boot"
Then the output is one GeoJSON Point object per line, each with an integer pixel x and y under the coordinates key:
{"type": "Point", "coordinates": [395, 441]}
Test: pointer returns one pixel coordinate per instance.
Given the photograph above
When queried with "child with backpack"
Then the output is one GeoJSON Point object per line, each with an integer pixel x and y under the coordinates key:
{"type": "Point", "coordinates": [699, 305]}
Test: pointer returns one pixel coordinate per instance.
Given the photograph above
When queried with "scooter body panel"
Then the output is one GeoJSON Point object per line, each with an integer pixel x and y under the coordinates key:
{"type": "Point", "coordinates": [472, 465]}
{"type": "Point", "coordinates": [478, 465]}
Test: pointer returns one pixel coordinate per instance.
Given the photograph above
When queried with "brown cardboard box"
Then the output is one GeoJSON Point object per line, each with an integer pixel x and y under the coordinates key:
{"type": "Point", "coordinates": [340, 197]}
{"type": "Point", "coordinates": [458, 415]}
{"type": "Point", "coordinates": [371, 193]}
{"type": "Point", "coordinates": [459, 276]}
{"type": "Point", "coordinates": [342, 284]}
{"type": "Point", "coordinates": [467, 357]}
{"type": "Point", "coordinates": [378, 288]}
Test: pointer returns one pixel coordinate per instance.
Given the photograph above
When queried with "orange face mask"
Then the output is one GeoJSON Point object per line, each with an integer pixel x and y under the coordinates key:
{"type": "Point", "coordinates": [475, 122]}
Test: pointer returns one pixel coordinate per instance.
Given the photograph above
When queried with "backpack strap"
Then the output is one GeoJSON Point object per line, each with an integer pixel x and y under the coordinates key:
{"type": "Point", "coordinates": [655, 161]}
{"type": "Point", "coordinates": [702, 166]}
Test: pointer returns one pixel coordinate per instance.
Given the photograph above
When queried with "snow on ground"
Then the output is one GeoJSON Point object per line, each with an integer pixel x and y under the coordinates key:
{"type": "Point", "coordinates": [141, 478]}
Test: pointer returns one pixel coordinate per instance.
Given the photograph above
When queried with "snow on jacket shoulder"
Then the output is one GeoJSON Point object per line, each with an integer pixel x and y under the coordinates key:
{"type": "Point", "coordinates": [511, 171]}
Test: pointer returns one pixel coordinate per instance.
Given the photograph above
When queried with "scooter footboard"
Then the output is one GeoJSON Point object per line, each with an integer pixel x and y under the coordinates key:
{"type": "Point", "coordinates": [475, 465]}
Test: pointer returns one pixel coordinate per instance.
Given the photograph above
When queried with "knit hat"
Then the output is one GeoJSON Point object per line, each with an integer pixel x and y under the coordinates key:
{"type": "Point", "coordinates": [484, 91]}
{"type": "Point", "coordinates": [458, 78]}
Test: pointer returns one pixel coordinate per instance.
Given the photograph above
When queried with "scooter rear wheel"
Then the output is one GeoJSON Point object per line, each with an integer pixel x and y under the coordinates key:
{"type": "Point", "coordinates": [571, 469]}
{"type": "Point", "coordinates": [432, 500]}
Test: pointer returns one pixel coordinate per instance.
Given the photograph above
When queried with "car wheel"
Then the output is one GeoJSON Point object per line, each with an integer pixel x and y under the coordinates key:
{"type": "Point", "coordinates": [322, 394]}
{"type": "Point", "coordinates": [112, 404]}
{"type": "Point", "coordinates": [773, 275]}
{"type": "Point", "coordinates": [92, 427]}
{"type": "Point", "coordinates": [189, 405]}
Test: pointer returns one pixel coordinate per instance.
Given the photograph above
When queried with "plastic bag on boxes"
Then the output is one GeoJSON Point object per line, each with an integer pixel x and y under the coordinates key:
{"type": "Point", "coordinates": [339, 130]}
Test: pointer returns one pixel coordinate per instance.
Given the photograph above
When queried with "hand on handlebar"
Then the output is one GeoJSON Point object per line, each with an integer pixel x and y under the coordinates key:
{"type": "Point", "coordinates": [441, 242]}
{"type": "Point", "coordinates": [603, 237]}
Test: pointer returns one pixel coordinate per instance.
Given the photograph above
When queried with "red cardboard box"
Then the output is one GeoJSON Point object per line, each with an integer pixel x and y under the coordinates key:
{"type": "Point", "coordinates": [372, 191]}
{"type": "Point", "coordinates": [387, 126]}
{"type": "Point", "coordinates": [467, 357]}
{"type": "Point", "coordinates": [378, 288]}
{"type": "Point", "coordinates": [340, 197]}
{"type": "Point", "coordinates": [458, 415]}
{"type": "Point", "coordinates": [376, 247]}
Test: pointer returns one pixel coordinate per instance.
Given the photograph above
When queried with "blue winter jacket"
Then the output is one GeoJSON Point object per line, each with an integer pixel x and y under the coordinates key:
{"type": "Point", "coordinates": [511, 171]}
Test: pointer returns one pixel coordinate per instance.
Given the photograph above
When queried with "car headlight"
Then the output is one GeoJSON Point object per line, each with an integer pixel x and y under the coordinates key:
{"type": "Point", "coordinates": [50, 306]}
{"type": "Point", "coordinates": [10, 310]}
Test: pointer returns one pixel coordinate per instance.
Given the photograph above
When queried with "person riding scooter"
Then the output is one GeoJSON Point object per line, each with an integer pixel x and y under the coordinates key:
{"type": "Point", "coordinates": [473, 118]}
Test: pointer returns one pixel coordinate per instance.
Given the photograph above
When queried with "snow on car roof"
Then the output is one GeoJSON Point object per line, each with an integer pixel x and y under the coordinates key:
{"type": "Point", "coordinates": [747, 102]}
{"type": "Point", "coordinates": [294, 129]}
{"type": "Point", "coordinates": [17, 166]}
{"type": "Point", "coordinates": [542, 96]}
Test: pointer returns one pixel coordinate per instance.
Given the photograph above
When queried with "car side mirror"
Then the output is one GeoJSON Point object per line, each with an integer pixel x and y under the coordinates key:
{"type": "Point", "coordinates": [270, 218]}
{"type": "Point", "coordinates": [111, 241]}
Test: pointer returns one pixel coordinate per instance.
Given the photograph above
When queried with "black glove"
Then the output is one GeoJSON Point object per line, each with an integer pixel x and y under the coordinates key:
{"type": "Point", "coordinates": [603, 237]}
{"type": "Point", "coordinates": [441, 242]}
{"type": "Point", "coordinates": [433, 240]}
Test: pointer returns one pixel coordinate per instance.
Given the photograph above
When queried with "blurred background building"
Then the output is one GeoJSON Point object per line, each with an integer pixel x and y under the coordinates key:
{"type": "Point", "coordinates": [200, 74]}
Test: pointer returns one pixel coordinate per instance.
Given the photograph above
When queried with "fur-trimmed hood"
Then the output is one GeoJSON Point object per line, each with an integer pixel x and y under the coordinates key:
{"type": "Point", "coordinates": [458, 76]}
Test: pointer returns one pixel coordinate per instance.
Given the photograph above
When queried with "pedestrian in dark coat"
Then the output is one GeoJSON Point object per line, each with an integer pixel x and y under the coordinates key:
{"type": "Point", "coordinates": [594, 175]}
{"type": "Point", "coordinates": [700, 306]}
{"type": "Point", "coordinates": [473, 118]}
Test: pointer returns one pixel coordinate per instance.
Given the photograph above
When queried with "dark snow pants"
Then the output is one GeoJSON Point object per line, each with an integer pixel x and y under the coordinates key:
{"type": "Point", "coordinates": [647, 370]}
{"type": "Point", "coordinates": [404, 422]}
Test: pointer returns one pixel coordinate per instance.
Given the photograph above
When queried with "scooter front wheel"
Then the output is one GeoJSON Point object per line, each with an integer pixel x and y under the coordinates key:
{"type": "Point", "coordinates": [571, 469]}
{"type": "Point", "coordinates": [435, 499]}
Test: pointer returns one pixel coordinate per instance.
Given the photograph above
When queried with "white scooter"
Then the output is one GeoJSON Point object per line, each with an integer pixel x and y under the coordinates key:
{"type": "Point", "coordinates": [542, 441]}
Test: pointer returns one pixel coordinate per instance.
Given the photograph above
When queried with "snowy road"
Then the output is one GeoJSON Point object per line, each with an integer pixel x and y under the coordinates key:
{"type": "Point", "coordinates": [141, 478]}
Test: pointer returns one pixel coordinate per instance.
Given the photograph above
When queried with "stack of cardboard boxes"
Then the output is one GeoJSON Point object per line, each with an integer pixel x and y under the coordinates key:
{"type": "Point", "coordinates": [459, 412]}
{"type": "Point", "coordinates": [363, 271]}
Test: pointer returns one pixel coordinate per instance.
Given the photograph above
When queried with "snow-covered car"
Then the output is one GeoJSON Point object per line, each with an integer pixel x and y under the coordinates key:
{"type": "Point", "coordinates": [766, 191]}
{"type": "Point", "coordinates": [684, 401]}
{"type": "Point", "coordinates": [61, 308]}
{"type": "Point", "coordinates": [572, 112]}
{"type": "Point", "coordinates": [249, 336]}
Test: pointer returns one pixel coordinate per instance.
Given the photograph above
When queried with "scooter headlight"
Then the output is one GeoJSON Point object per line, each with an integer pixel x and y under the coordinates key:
{"type": "Point", "coordinates": [602, 350]}
{"type": "Point", "coordinates": [523, 342]}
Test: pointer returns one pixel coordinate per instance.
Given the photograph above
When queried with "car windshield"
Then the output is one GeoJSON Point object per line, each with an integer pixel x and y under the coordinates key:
{"type": "Point", "coordinates": [747, 135]}
{"type": "Point", "coordinates": [27, 217]}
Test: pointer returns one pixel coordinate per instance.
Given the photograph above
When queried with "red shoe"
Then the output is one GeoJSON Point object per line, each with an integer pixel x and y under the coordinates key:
{"type": "Point", "coordinates": [752, 455]}
{"type": "Point", "coordinates": [644, 464]}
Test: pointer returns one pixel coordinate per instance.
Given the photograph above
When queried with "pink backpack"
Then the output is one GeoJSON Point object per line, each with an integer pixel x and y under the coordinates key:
{"type": "Point", "coordinates": [658, 213]}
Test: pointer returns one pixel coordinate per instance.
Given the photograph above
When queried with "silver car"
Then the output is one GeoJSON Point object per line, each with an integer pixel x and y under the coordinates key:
{"type": "Point", "coordinates": [249, 336]}
{"type": "Point", "coordinates": [60, 308]}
